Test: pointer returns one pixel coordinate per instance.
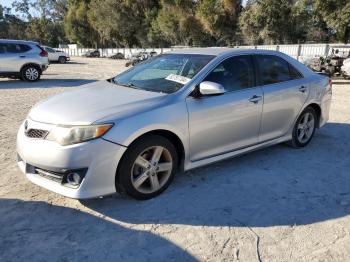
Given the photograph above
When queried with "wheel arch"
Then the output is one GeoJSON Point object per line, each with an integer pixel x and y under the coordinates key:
{"type": "Point", "coordinates": [32, 64]}
{"type": "Point", "coordinates": [64, 56]}
{"type": "Point", "coordinates": [171, 136]}
{"type": "Point", "coordinates": [318, 111]}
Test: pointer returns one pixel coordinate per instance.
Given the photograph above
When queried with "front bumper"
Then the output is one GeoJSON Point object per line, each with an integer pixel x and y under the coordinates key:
{"type": "Point", "coordinates": [98, 157]}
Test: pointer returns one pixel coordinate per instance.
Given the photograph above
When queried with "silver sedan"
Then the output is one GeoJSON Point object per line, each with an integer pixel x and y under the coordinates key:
{"type": "Point", "coordinates": [174, 112]}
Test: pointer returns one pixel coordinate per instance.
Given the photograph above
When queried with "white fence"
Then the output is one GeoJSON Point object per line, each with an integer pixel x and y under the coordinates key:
{"type": "Point", "coordinates": [296, 51]}
{"type": "Point", "coordinates": [106, 52]}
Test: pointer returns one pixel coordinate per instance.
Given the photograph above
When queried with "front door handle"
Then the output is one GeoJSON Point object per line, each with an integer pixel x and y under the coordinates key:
{"type": "Point", "coordinates": [303, 89]}
{"type": "Point", "coordinates": [22, 56]}
{"type": "Point", "coordinates": [255, 99]}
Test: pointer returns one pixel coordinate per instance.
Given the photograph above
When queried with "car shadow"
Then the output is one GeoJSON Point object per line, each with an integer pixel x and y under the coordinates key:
{"type": "Point", "coordinates": [276, 186]}
{"type": "Point", "coordinates": [67, 62]}
{"type": "Point", "coordinates": [38, 231]}
{"type": "Point", "coordinates": [340, 82]}
{"type": "Point", "coordinates": [43, 83]}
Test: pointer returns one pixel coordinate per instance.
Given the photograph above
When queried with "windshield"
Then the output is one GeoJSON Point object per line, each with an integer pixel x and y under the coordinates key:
{"type": "Point", "coordinates": [166, 73]}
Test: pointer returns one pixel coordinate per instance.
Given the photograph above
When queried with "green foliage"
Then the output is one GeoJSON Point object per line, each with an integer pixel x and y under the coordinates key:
{"type": "Point", "coordinates": [3, 24]}
{"type": "Point", "coordinates": [178, 24]}
{"type": "Point", "coordinates": [45, 31]}
{"type": "Point", "coordinates": [268, 21]}
{"type": "Point", "coordinates": [45, 27]}
{"type": "Point", "coordinates": [289, 21]}
{"type": "Point", "coordinates": [336, 14]}
{"type": "Point", "coordinates": [10, 25]}
{"type": "Point", "coordinates": [219, 19]}
{"type": "Point", "coordinates": [144, 23]}
{"type": "Point", "coordinates": [124, 23]}
{"type": "Point", "coordinates": [77, 25]}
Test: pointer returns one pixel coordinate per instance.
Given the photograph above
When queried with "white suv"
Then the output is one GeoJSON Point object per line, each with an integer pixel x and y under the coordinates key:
{"type": "Point", "coordinates": [56, 55]}
{"type": "Point", "coordinates": [23, 59]}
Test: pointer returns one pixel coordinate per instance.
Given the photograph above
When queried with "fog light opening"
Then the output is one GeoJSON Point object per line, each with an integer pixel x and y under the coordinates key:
{"type": "Point", "coordinates": [74, 179]}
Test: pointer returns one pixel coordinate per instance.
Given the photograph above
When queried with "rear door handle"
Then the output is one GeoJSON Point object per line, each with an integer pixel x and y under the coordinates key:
{"type": "Point", "coordinates": [303, 89]}
{"type": "Point", "coordinates": [255, 99]}
{"type": "Point", "coordinates": [22, 56]}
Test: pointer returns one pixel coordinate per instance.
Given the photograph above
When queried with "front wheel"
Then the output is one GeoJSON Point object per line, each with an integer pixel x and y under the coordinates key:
{"type": "Point", "coordinates": [304, 128]}
{"type": "Point", "coordinates": [147, 168]}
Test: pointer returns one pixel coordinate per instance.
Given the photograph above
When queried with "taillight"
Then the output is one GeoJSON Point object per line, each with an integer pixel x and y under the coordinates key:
{"type": "Point", "coordinates": [43, 53]}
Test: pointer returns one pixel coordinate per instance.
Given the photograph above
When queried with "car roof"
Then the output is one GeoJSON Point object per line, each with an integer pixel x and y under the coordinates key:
{"type": "Point", "coordinates": [224, 51]}
{"type": "Point", "coordinates": [218, 51]}
{"type": "Point", "coordinates": [18, 41]}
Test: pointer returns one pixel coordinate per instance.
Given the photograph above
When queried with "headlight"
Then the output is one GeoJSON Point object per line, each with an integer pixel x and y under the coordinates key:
{"type": "Point", "coordinates": [67, 135]}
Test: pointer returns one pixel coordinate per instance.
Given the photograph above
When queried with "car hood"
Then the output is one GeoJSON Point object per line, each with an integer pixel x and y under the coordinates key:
{"type": "Point", "coordinates": [92, 102]}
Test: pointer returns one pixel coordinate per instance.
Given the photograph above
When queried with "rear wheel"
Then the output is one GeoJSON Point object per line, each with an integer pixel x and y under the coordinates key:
{"type": "Point", "coordinates": [304, 128]}
{"type": "Point", "coordinates": [30, 73]}
{"type": "Point", "coordinates": [147, 168]}
{"type": "Point", "coordinates": [62, 60]}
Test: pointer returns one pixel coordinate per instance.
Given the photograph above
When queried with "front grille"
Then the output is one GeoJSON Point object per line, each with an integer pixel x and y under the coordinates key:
{"type": "Point", "coordinates": [36, 133]}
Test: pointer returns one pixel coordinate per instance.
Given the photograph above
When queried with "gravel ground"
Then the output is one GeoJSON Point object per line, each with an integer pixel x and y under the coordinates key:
{"type": "Point", "coordinates": [276, 204]}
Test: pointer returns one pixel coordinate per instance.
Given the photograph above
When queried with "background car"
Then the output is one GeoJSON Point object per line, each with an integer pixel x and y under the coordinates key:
{"type": "Point", "coordinates": [92, 53]}
{"type": "Point", "coordinates": [56, 55]}
{"type": "Point", "coordinates": [345, 69]}
{"type": "Point", "coordinates": [117, 56]}
{"type": "Point", "coordinates": [23, 59]}
{"type": "Point", "coordinates": [137, 58]}
{"type": "Point", "coordinates": [153, 53]}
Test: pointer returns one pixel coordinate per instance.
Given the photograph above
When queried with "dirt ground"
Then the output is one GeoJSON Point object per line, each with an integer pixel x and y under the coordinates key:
{"type": "Point", "coordinates": [276, 204]}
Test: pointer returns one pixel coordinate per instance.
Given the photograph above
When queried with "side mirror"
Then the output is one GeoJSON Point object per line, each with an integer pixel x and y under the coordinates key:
{"type": "Point", "coordinates": [208, 88]}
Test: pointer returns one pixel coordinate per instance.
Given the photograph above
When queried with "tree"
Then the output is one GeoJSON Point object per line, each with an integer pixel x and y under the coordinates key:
{"type": "Point", "coordinates": [219, 19]}
{"type": "Point", "coordinates": [46, 26]}
{"type": "Point", "coordinates": [123, 22]}
{"type": "Point", "coordinates": [11, 26]}
{"type": "Point", "coordinates": [3, 24]}
{"type": "Point", "coordinates": [249, 23]}
{"type": "Point", "coordinates": [77, 25]}
{"type": "Point", "coordinates": [276, 21]}
{"type": "Point", "coordinates": [308, 24]}
{"type": "Point", "coordinates": [177, 23]}
{"type": "Point", "coordinates": [336, 14]}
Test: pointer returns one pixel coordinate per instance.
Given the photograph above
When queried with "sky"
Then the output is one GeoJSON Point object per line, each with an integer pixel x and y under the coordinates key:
{"type": "Point", "coordinates": [6, 2]}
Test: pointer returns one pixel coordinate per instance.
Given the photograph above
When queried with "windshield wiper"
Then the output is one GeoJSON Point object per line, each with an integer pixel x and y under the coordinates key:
{"type": "Point", "coordinates": [131, 85]}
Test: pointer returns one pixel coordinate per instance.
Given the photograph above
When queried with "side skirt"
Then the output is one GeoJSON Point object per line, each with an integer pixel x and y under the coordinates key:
{"type": "Point", "coordinates": [210, 160]}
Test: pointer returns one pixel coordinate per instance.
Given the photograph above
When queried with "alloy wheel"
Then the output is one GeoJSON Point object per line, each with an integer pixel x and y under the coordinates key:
{"type": "Point", "coordinates": [306, 128]}
{"type": "Point", "coordinates": [32, 74]}
{"type": "Point", "coordinates": [151, 169]}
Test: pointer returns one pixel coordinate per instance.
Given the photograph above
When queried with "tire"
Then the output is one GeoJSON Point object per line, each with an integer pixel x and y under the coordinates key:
{"type": "Point", "coordinates": [62, 60]}
{"type": "Point", "coordinates": [308, 128]}
{"type": "Point", "coordinates": [142, 179]}
{"type": "Point", "coordinates": [30, 73]}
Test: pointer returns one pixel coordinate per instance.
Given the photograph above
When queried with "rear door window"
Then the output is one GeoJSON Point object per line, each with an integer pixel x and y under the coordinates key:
{"type": "Point", "coordinates": [294, 73]}
{"type": "Point", "coordinates": [50, 50]}
{"type": "Point", "coordinates": [273, 69]}
{"type": "Point", "coordinates": [17, 48]}
{"type": "Point", "coordinates": [2, 48]}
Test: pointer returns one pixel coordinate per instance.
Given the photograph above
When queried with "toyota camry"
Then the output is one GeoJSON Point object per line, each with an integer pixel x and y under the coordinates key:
{"type": "Point", "coordinates": [174, 112]}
